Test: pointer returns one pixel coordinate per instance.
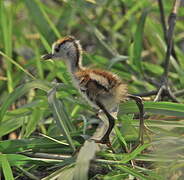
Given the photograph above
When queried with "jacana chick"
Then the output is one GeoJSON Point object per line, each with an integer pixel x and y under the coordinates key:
{"type": "Point", "coordinates": [102, 89]}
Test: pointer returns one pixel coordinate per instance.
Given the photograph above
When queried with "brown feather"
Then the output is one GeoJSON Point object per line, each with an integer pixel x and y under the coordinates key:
{"type": "Point", "coordinates": [102, 84]}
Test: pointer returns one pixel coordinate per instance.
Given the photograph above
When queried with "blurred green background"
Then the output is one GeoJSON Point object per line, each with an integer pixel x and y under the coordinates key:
{"type": "Point", "coordinates": [123, 36]}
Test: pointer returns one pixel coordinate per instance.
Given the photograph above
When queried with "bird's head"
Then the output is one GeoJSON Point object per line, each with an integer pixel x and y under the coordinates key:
{"type": "Point", "coordinates": [67, 49]}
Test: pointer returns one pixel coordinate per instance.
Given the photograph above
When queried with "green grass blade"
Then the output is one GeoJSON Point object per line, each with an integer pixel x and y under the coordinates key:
{"type": "Point", "coordinates": [45, 43]}
{"type": "Point", "coordinates": [134, 153]}
{"type": "Point", "coordinates": [36, 144]}
{"type": "Point", "coordinates": [103, 11]}
{"type": "Point", "coordinates": [37, 114]}
{"type": "Point", "coordinates": [14, 159]}
{"type": "Point", "coordinates": [16, 64]}
{"type": "Point", "coordinates": [6, 26]}
{"type": "Point", "coordinates": [20, 91]}
{"type": "Point", "coordinates": [28, 174]}
{"type": "Point", "coordinates": [164, 123]}
{"type": "Point", "coordinates": [165, 108]}
{"type": "Point", "coordinates": [37, 17]}
{"type": "Point", "coordinates": [51, 24]}
{"type": "Point", "coordinates": [38, 61]}
{"type": "Point", "coordinates": [133, 172]}
{"type": "Point", "coordinates": [57, 108]}
{"type": "Point", "coordinates": [120, 137]}
{"type": "Point", "coordinates": [20, 160]}
{"type": "Point", "coordinates": [128, 15]}
{"type": "Point", "coordinates": [138, 42]}
{"type": "Point", "coordinates": [10, 125]}
{"type": "Point", "coordinates": [6, 167]}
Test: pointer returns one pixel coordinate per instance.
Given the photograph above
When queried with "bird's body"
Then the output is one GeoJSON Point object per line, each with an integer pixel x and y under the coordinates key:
{"type": "Point", "coordinates": [102, 89]}
{"type": "Point", "coordinates": [96, 84]}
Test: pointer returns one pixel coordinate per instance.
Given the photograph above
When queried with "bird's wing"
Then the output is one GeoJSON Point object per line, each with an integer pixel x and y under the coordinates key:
{"type": "Point", "coordinates": [94, 81]}
{"type": "Point", "coordinates": [99, 80]}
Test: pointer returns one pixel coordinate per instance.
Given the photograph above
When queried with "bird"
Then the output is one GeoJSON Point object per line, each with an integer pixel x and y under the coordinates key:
{"type": "Point", "coordinates": [102, 89]}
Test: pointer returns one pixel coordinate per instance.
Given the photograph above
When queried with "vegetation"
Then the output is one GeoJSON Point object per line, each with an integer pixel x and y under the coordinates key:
{"type": "Point", "coordinates": [44, 124]}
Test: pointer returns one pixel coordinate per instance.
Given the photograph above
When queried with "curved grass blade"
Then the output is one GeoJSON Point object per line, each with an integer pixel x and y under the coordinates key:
{"type": "Point", "coordinates": [60, 117]}
{"type": "Point", "coordinates": [16, 64]}
{"type": "Point", "coordinates": [20, 91]}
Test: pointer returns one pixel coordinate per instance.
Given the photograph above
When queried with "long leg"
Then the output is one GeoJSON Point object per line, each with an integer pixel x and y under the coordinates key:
{"type": "Point", "coordinates": [105, 138]}
{"type": "Point", "coordinates": [140, 105]}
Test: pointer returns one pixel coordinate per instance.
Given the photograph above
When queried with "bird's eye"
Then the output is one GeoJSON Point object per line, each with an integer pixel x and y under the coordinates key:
{"type": "Point", "coordinates": [56, 49]}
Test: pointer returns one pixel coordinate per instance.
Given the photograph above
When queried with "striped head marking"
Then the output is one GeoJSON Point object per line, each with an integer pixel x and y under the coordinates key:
{"type": "Point", "coordinates": [67, 48]}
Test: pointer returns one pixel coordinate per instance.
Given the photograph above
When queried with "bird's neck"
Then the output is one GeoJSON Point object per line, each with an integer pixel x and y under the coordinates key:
{"type": "Point", "coordinates": [74, 61]}
{"type": "Point", "coordinates": [74, 64]}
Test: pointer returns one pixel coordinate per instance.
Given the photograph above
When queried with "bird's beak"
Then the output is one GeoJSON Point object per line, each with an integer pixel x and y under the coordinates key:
{"type": "Point", "coordinates": [47, 56]}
